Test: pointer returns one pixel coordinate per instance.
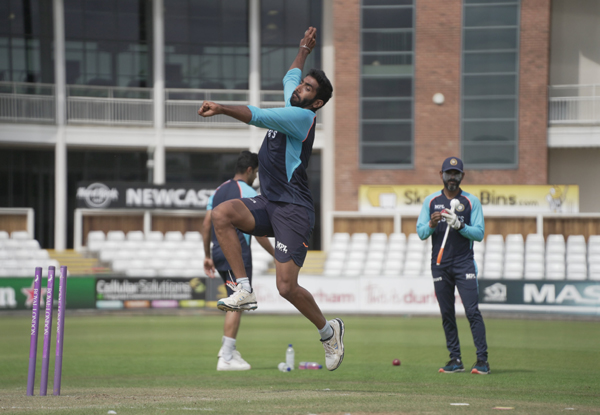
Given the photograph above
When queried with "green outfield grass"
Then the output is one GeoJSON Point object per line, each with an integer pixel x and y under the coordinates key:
{"type": "Point", "coordinates": [166, 364]}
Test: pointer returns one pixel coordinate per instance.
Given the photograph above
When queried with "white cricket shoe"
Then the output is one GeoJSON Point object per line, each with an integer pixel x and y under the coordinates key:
{"type": "Point", "coordinates": [334, 346]}
{"type": "Point", "coordinates": [240, 300]}
{"type": "Point", "coordinates": [236, 362]}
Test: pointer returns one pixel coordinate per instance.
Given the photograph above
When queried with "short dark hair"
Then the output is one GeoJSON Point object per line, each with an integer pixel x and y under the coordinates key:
{"type": "Point", "coordinates": [325, 90]}
{"type": "Point", "coordinates": [245, 160]}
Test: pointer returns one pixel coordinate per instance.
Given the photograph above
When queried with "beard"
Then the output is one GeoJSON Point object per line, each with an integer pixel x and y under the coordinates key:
{"type": "Point", "coordinates": [451, 185]}
{"type": "Point", "coordinates": [295, 101]}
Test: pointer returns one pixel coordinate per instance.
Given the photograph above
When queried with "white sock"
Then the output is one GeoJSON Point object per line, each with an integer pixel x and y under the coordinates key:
{"type": "Point", "coordinates": [245, 283]}
{"type": "Point", "coordinates": [228, 348]}
{"type": "Point", "coordinates": [326, 332]}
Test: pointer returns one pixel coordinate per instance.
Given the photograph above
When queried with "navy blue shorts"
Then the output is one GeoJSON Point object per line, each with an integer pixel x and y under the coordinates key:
{"type": "Point", "coordinates": [291, 225]}
{"type": "Point", "coordinates": [227, 275]}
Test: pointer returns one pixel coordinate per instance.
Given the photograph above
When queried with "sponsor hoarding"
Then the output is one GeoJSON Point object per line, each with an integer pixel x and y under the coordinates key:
{"type": "Point", "coordinates": [17, 293]}
{"type": "Point", "coordinates": [365, 295]}
{"type": "Point", "coordinates": [119, 195]}
{"type": "Point", "coordinates": [129, 292]}
{"type": "Point", "coordinates": [494, 199]}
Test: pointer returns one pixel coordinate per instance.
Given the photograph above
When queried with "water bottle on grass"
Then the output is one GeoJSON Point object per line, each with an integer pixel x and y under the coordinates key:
{"type": "Point", "coordinates": [309, 365]}
{"type": "Point", "coordinates": [289, 356]}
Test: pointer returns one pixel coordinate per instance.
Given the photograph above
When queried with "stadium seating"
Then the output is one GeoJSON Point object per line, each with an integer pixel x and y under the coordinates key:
{"type": "Point", "coordinates": [19, 255]}
{"type": "Point", "coordinates": [172, 254]}
{"type": "Point", "coordinates": [510, 258]}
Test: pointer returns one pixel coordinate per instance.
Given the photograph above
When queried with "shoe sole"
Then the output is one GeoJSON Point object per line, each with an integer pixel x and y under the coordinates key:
{"type": "Point", "coordinates": [245, 307]}
{"type": "Point", "coordinates": [451, 371]}
{"type": "Point", "coordinates": [477, 372]}
{"type": "Point", "coordinates": [341, 323]}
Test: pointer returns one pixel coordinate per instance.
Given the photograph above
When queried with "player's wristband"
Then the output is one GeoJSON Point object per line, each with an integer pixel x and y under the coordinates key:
{"type": "Point", "coordinates": [304, 46]}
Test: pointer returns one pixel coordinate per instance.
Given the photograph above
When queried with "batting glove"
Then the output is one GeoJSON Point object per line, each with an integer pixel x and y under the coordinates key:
{"type": "Point", "coordinates": [452, 220]}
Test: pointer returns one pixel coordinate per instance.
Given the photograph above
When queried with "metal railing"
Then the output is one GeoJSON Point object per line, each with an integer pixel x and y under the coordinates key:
{"type": "Point", "coordinates": [109, 105]}
{"type": "Point", "coordinates": [181, 107]}
{"type": "Point", "coordinates": [27, 102]}
{"type": "Point", "coordinates": [574, 104]}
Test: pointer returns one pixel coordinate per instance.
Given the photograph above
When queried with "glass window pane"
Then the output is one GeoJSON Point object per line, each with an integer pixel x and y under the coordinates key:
{"type": "Point", "coordinates": [382, 64]}
{"type": "Point", "coordinates": [491, 16]}
{"type": "Point", "coordinates": [486, 39]}
{"type": "Point", "coordinates": [489, 108]}
{"type": "Point", "coordinates": [390, 87]}
{"type": "Point", "coordinates": [386, 154]}
{"type": "Point", "coordinates": [492, 154]}
{"type": "Point", "coordinates": [478, 85]}
{"type": "Point", "coordinates": [387, 18]}
{"type": "Point", "coordinates": [490, 131]}
{"type": "Point", "coordinates": [490, 62]}
{"type": "Point", "coordinates": [388, 132]}
{"type": "Point", "coordinates": [385, 42]}
{"type": "Point", "coordinates": [382, 110]}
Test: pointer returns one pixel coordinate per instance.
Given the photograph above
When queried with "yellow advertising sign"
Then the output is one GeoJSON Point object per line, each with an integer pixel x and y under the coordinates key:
{"type": "Point", "coordinates": [494, 198]}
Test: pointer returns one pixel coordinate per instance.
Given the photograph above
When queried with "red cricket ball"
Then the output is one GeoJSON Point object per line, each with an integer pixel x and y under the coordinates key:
{"type": "Point", "coordinates": [396, 362]}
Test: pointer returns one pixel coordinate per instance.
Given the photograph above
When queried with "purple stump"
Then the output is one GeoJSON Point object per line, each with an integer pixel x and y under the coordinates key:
{"type": "Point", "coordinates": [47, 331]}
{"type": "Point", "coordinates": [60, 329]}
{"type": "Point", "coordinates": [35, 319]}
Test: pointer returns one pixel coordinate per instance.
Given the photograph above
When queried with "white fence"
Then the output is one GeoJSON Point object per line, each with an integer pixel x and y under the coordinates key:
{"type": "Point", "coordinates": [109, 105]}
{"type": "Point", "coordinates": [25, 102]}
{"type": "Point", "coordinates": [574, 104]}
{"type": "Point", "coordinates": [182, 105]}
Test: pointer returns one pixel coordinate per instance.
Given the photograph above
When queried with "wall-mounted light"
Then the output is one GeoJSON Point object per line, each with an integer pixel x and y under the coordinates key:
{"type": "Point", "coordinates": [438, 98]}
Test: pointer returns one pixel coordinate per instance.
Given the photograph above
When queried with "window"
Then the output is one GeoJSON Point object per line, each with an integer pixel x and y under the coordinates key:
{"type": "Point", "coordinates": [26, 39]}
{"type": "Point", "coordinates": [490, 83]}
{"type": "Point", "coordinates": [206, 44]}
{"type": "Point", "coordinates": [386, 113]}
{"type": "Point", "coordinates": [108, 43]}
{"type": "Point", "coordinates": [283, 25]}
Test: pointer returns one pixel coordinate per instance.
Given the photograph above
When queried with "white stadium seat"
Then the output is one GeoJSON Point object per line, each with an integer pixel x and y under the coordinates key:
{"type": "Point", "coordinates": [135, 236]}
{"type": "Point", "coordinates": [534, 271]}
{"type": "Point", "coordinates": [4, 235]}
{"type": "Point", "coordinates": [155, 236]}
{"type": "Point", "coordinates": [115, 236]}
{"type": "Point", "coordinates": [555, 271]}
{"type": "Point", "coordinates": [513, 270]}
{"type": "Point", "coordinates": [514, 238]}
{"type": "Point", "coordinates": [341, 237]}
{"type": "Point", "coordinates": [378, 237]}
{"type": "Point", "coordinates": [193, 236]}
{"type": "Point", "coordinates": [536, 238]}
{"type": "Point", "coordinates": [594, 271]}
{"type": "Point", "coordinates": [535, 247]}
{"type": "Point", "coordinates": [173, 236]}
{"type": "Point", "coordinates": [336, 255]}
{"type": "Point", "coordinates": [360, 237]}
{"type": "Point", "coordinates": [20, 235]}
{"type": "Point", "coordinates": [397, 237]}
{"type": "Point", "coordinates": [494, 238]}
{"type": "Point", "coordinates": [577, 271]}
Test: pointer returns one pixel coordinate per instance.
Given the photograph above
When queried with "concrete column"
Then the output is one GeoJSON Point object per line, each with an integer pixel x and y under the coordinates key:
{"type": "Point", "coordinates": [60, 150]}
{"type": "Point", "coordinates": [328, 155]}
{"type": "Point", "coordinates": [158, 148]}
{"type": "Point", "coordinates": [254, 86]}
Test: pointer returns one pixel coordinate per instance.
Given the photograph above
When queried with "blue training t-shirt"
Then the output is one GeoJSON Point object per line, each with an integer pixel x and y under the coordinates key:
{"type": "Point", "coordinates": [459, 245]}
{"type": "Point", "coordinates": [231, 189]}
{"type": "Point", "coordinates": [287, 147]}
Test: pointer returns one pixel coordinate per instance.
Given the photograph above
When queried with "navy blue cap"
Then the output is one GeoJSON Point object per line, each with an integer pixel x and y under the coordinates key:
{"type": "Point", "coordinates": [452, 163]}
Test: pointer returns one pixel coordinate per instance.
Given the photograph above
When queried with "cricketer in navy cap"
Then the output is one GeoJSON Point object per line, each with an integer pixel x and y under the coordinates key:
{"type": "Point", "coordinates": [452, 163]}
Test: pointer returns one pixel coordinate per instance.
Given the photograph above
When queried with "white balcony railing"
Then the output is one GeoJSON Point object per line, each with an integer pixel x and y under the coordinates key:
{"type": "Point", "coordinates": [27, 102]}
{"type": "Point", "coordinates": [182, 105]}
{"type": "Point", "coordinates": [109, 105]}
{"type": "Point", "coordinates": [574, 104]}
